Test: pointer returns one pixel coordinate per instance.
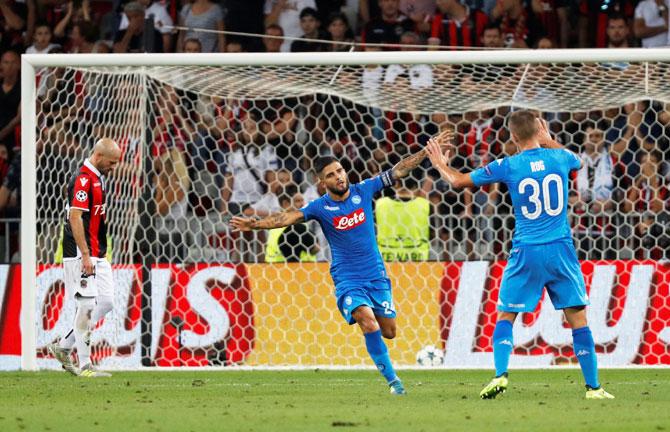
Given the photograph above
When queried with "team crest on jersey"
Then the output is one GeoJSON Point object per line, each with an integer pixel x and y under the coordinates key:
{"type": "Point", "coordinates": [356, 199]}
{"type": "Point", "coordinates": [81, 196]}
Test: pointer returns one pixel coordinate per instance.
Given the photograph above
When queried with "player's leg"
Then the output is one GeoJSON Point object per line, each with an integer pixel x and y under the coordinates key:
{"type": "Point", "coordinates": [567, 291]}
{"type": "Point", "coordinates": [104, 302]}
{"type": "Point", "coordinates": [585, 351]}
{"type": "Point", "coordinates": [520, 291]}
{"type": "Point", "coordinates": [387, 326]}
{"type": "Point", "coordinates": [366, 320]}
{"type": "Point", "coordinates": [63, 350]}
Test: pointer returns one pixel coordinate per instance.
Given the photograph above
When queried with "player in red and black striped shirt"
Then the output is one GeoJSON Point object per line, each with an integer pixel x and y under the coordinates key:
{"type": "Point", "coordinates": [88, 274]}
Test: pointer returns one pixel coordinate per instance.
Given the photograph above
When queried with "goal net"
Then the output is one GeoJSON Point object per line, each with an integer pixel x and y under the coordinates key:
{"type": "Point", "coordinates": [239, 136]}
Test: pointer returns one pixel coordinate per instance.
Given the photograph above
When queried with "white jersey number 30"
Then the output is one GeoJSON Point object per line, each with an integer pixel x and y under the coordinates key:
{"type": "Point", "coordinates": [534, 197]}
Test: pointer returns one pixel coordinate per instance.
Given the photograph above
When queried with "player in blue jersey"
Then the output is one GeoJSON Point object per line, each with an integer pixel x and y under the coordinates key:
{"type": "Point", "coordinates": [362, 287]}
{"type": "Point", "coordinates": [543, 254]}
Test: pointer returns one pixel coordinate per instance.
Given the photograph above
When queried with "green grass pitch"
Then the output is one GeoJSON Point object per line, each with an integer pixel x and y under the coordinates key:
{"type": "Point", "coordinates": [324, 400]}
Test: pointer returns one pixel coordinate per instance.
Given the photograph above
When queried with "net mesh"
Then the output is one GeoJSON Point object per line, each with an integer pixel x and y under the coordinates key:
{"type": "Point", "coordinates": [201, 144]}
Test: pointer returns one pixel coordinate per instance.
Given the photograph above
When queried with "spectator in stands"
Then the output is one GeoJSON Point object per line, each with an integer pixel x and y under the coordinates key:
{"type": "Point", "coordinates": [10, 191]}
{"type": "Point", "coordinates": [388, 26]}
{"type": "Point", "coordinates": [203, 14]}
{"type": "Point", "coordinates": [84, 38]}
{"type": "Point", "coordinates": [649, 192]}
{"type": "Point", "coordinates": [552, 15]}
{"type": "Point", "coordinates": [286, 14]}
{"type": "Point", "coordinates": [269, 202]}
{"type": "Point", "coordinates": [132, 39]}
{"type": "Point", "coordinates": [339, 30]}
{"type": "Point", "coordinates": [294, 243]}
{"type": "Point", "coordinates": [234, 46]}
{"type": "Point", "coordinates": [75, 14]}
{"type": "Point", "coordinates": [421, 12]}
{"type": "Point", "coordinates": [519, 26]}
{"type": "Point", "coordinates": [247, 166]}
{"type": "Point", "coordinates": [617, 32]}
{"type": "Point", "coordinates": [192, 45]}
{"type": "Point", "coordinates": [403, 223]}
{"type": "Point", "coordinates": [171, 195]}
{"type": "Point", "coordinates": [545, 43]}
{"type": "Point", "coordinates": [162, 21]}
{"type": "Point", "coordinates": [41, 40]}
{"type": "Point", "coordinates": [311, 27]}
{"type": "Point", "coordinates": [492, 37]}
{"type": "Point", "coordinates": [595, 178]}
{"type": "Point", "coordinates": [651, 23]}
{"type": "Point", "coordinates": [13, 21]}
{"type": "Point", "coordinates": [10, 99]}
{"type": "Point", "coordinates": [455, 25]}
{"type": "Point", "coordinates": [592, 20]}
{"type": "Point", "coordinates": [651, 240]}
{"type": "Point", "coordinates": [273, 44]}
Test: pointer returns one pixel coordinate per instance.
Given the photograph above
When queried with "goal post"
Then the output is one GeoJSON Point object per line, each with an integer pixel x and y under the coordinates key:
{"type": "Point", "coordinates": [131, 90]}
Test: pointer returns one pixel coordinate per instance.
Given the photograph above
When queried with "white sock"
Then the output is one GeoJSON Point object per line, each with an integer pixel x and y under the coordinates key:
{"type": "Point", "coordinates": [103, 305]}
{"type": "Point", "coordinates": [82, 329]}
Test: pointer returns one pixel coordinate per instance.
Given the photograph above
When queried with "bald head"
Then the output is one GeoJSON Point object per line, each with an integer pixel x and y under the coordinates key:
{"type": "Point", "coordinates": [106, 155]}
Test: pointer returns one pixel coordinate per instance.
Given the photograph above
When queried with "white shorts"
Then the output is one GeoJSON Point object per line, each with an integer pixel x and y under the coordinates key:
{"type": "Point", "coordinates": [99, 284]}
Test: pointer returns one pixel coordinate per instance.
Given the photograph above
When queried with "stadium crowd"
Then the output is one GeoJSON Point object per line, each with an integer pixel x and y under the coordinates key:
{"type": "Point", "coordinates": [255, 157]}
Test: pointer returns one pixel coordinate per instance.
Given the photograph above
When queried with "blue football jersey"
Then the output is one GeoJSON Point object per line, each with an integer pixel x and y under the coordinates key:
{"type": "Point", "coordinates": [537, 180]}
{"type": "Point", "coordinates": [349, 227]}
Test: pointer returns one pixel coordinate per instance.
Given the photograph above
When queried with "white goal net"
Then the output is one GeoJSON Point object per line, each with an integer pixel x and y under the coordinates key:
{"type": "Point", "coordinates": [203, 143]}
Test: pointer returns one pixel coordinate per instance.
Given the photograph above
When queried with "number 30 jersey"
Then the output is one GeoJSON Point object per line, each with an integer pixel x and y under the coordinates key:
{"type": "Point", "coordinates": [86, 192]}
{"type": "Point", "coordinates": [537, 180]}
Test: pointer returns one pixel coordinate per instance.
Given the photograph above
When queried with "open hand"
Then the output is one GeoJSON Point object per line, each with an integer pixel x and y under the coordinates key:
{"type": "Point", "coordinates": [543, 135]}
{"type": "Point", "coordinates": [437, 158]}
{"type": "Point", "coordinates": [242, 224]}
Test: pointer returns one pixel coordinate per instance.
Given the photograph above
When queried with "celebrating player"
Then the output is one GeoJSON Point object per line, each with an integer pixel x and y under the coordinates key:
{"type": "Point", "coordinates": [362, 287]}
{"type": "Point", "coordinates": [542, 250]}
{"type": "Point", "coordinates": [88, 274]}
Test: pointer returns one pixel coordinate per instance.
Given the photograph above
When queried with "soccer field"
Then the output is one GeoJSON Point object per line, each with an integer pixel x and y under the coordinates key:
{"type": "Point", "coordinates": [538, 400]}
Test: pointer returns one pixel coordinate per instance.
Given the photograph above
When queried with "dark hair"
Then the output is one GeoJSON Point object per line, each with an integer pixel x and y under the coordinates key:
{"type": "Point", "coordinates": [492, 26]}
{"type": "Point", "coordinates": [43, 24]}
{"type": "Point", "coordinates": [290, 190]}
{"type": "Point", "coordinates": [616, 16]}
{"type": "Point", "coordinates": [323, 162]}
{"type": "Point", "coordinates": [276, 27]}
{"type": "Point", "coordinates": [308, 11]}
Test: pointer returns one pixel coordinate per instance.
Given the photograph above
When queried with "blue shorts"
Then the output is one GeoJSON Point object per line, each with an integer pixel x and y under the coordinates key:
{"type": "Point", "coordinates": [534, 267]}
{"type": "Point", "coordinates": [375, 294]}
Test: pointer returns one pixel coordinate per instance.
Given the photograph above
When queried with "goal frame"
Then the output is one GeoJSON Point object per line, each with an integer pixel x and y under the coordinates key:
{"type": "Point", "coordinates": [30, 63]}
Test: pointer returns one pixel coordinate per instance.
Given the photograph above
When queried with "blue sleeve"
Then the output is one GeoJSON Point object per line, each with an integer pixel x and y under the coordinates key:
{"type": "Point", "coordinates": [492, 173]}
{"type": "Point", "coordinates": [371, 186]}
{"type": "Point", "coordinates": [573, 160]}
{"type": "Point", "coordinates": [311, 210]}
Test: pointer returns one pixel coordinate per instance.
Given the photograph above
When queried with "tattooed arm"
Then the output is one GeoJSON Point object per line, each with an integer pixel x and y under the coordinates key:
{"type": "Point", "coordinates": [276, 220]}
{"type": "Point", "coordinates": [405, 166]}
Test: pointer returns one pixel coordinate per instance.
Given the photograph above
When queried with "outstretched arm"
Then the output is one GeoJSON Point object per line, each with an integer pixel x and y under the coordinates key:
{"type": "Point", "coordinates": [406, 165]}
{"type": "Point", "coordinates": [276, 220]}
{"type": "Point", "coordinates": [440, 161]}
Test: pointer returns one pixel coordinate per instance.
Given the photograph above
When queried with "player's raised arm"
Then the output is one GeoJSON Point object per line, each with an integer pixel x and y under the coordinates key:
{"type": "Point", "coordinates": [545, 139]}
{"type": "Point", "coordinates": [277, 220]}
{"type": "Point", "coordinates": [406, 165]}
{"type": "Point", "coordinates": [441, 162]}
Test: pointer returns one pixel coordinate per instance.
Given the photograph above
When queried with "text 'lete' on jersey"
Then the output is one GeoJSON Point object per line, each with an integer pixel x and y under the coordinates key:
{"type": "Point", "coordinates": [86, 192]}
{"type": "Point", "coordinates": [349, 227]}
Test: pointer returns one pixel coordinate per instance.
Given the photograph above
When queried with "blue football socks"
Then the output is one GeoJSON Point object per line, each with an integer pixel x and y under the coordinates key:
{"type": "Point", "coordinates": [503, 343]}
{"type": "Point", "coordinates": [585, 351]}
{"type": "Point", "coordinates": [380, 354]}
